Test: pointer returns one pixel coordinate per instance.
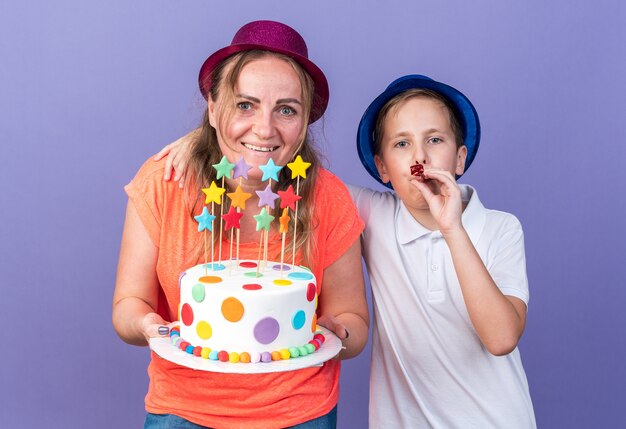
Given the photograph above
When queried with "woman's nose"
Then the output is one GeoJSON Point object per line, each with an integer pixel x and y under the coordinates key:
{"type": "Point", "coordinates": [264, 126]}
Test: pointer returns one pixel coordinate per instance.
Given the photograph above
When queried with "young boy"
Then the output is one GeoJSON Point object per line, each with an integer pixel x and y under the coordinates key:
{"type": "Point", "coordinates": [448, 276]}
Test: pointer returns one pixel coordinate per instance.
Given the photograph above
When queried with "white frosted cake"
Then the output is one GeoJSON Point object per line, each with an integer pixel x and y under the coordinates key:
{"type": "Point", "coordinates": [239, 312]}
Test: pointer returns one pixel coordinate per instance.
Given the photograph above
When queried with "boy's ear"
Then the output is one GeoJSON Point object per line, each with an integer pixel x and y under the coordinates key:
{"type": "Point", "coordinates": [382, 170]}
{"type": "Point", "coordinates": [461, 155]}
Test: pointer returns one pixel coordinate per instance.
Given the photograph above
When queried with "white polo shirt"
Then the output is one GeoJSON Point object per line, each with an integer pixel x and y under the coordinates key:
{"type": "Point", "coordinates": [429, 368]}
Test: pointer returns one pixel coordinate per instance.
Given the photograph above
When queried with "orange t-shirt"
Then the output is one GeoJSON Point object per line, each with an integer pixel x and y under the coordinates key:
{"type": "Point", "coordinates": [221, 400]}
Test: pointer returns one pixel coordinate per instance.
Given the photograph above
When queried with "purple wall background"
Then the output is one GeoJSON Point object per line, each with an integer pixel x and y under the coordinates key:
{"type": "Point", "coordinates": [88, 91]}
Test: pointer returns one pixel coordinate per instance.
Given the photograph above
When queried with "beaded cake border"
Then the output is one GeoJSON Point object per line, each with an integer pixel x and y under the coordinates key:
{"type": "Point", "coordinates": [245, 357]}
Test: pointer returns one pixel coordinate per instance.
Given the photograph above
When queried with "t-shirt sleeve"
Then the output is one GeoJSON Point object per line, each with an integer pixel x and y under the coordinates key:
{"type": "Point", "coordinates": [146, 193]}
{"type": "Point", "coordinates": [362, 198]}
{"type": "Point", "coordinates": [508, 262]}
{"type": "Point", "coordinates": [339, 221]}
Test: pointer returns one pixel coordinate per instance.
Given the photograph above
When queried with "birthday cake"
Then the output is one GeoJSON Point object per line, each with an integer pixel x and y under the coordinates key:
{"type": "Point", "coordinates": [248, 311]}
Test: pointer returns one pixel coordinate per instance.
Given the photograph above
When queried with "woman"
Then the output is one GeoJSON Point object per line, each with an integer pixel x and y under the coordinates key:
{"type": "Point", "coordinates": [262, 92]}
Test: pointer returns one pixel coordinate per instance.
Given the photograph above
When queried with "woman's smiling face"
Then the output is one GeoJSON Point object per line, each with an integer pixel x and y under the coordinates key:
{"type": "Point", "coordinates": [267, 118]}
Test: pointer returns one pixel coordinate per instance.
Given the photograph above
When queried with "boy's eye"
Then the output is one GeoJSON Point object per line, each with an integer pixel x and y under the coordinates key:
{"type": "Point", "coordinates": [244, 105]}
{"type": "Point", "coordinates": [435, 140]}
{"type": "Point", "coordinates": [402, 143]}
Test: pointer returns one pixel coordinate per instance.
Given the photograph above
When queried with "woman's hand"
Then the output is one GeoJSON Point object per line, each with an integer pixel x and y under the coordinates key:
{"type": "Point", "coordinates": [153, 326]}
{"type": "Point", "coordinates": [334, 325]}
{"type": "Point", "coordinates": [137, 287]}
{"type": "Point", "coordinates": [342, 303]}
{"type": "Point", "coordinates": [446, 205]}
{"type": "Point", "coordinates": [178, 154]}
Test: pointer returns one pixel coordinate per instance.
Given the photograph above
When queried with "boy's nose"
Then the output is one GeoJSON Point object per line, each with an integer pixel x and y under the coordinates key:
{"type": "Point", "coordinates": [420, 155]}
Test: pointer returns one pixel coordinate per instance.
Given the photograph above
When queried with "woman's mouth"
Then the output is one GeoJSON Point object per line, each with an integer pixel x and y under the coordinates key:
{"type": "Point", "coordinates": [259, 148]}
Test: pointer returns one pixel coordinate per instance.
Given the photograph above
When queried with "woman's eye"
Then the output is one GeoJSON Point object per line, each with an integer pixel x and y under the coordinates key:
{"type": "Point", "coordinates": [244, 105]}
{"type": "Point", "coordinates": [287, 111]}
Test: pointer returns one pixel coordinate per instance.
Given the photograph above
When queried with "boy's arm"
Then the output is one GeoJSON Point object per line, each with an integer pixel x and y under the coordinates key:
{"type": "Point", "coordinates": [178, 154]}
{"type": "Point", "coordinates": [499, 319]}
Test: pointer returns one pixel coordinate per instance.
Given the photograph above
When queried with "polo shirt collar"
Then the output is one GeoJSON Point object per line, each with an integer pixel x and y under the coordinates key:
{"type": "Point", "coordinates": [473, 219]}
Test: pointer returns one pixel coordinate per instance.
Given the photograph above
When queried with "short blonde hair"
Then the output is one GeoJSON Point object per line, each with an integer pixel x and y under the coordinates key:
{"type": "Point", "coordinates": [396, 102]}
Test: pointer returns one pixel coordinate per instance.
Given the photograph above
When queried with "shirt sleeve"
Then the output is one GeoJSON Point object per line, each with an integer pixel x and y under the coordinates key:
{"type": "Point", "coordinates": [507, 264]}
{"type": "Point", "coordinates": [362, 198]}
{"type": "Point", "coordinates": [339, 221]}
{"type": "Point", "coordinates": [146, 192]}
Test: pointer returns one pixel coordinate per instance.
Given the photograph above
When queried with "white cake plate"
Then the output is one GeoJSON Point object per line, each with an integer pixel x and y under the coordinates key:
{"type": "Point", "coordinates": [163, 347]}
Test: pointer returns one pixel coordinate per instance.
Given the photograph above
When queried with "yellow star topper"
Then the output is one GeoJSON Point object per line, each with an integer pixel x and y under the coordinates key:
{"type": "Point", "coordinates": [213, 194]}
{"type": "Point", "coordinates": [298, 167]}
{"type": "Point", "coordinates": [239, 197]}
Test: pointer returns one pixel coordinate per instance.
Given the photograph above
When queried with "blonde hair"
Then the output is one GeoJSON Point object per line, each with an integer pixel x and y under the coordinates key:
{"type": "Point", "coordinates": [205, 150]}
{"type": "Point", "coordinates": [394, 104]}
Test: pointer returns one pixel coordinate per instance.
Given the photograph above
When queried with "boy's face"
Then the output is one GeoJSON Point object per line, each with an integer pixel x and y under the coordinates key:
{"type": "Point", "coordinates": [417, 129]}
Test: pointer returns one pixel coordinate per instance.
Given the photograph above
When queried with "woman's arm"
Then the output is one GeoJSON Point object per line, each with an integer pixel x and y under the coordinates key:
{"type": "Point", "coordinates": [343, 304]}
{"type": "Point", "coordinates": [137, 288]}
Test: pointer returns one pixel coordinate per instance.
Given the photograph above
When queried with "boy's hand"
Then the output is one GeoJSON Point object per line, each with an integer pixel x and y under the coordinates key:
{"type": "Point", "coordinates": [178, 154]}
{"type": "Point", "coordinates": [445, 202]}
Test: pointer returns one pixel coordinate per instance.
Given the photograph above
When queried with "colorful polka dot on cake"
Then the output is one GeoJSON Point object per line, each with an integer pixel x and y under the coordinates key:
{"type": "Point", "coordinates": [252, 312]}
{"type": "Point", "coordinates": [298, 319]}
{"type": "Point", "coordinates": [266, 330]}
{"type": "Point", "coordinates": [204, 330]}
{"type": "Point", "coordinates": [186, 314]}
{"type": "Point", "coordinates": [197, 292]}
{"type": "Point", "coordinates": [232, 309]}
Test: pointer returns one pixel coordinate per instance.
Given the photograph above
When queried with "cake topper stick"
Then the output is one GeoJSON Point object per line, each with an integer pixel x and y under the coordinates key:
{"type": "Point", "coordinates": [258, 259]}
{"type": "Point", "coordinates": [298, 169]}
{"type": "Point", "coordinates": [239, 229]}
{"type": "Point", "coordinates": [238, 200]}
{"type": "Point", "coordinates": [205, 221]}
{"type": "Point", "coordinates": [213, 195]}
{"type": "Point", "coordinates": [240, 170]}
{"type": "Point", "coordinates": [224, 170]}
{"type": "Point", "coordinates": [212, 240]}
{"type": "Point", "coordinates": [287, 201]}
{"type": "Point", "coordinates": [221, 219]}
{"type": "Point", "coordinates": [263, 221]}
{"type": "Point", "coordinates": [232, 222]}
{"type": "Point", "coordinates": [270, 172]}
{"type": "Point", "coordinates": [284, 227]}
